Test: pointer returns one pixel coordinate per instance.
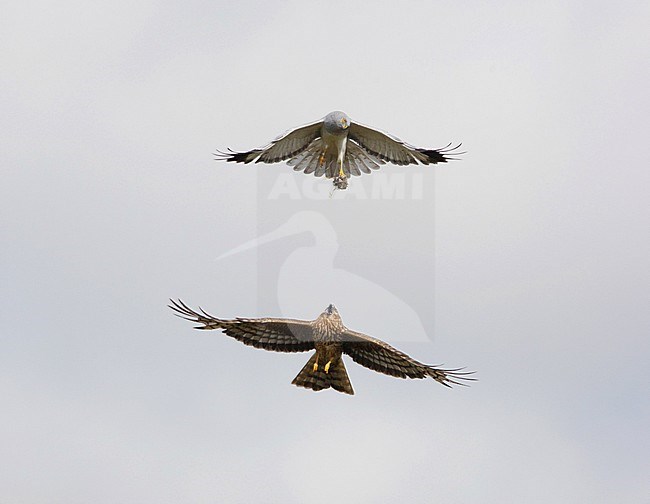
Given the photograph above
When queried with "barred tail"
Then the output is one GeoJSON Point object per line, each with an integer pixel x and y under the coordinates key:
{"type": "Point", "coordinates": [337, 377]}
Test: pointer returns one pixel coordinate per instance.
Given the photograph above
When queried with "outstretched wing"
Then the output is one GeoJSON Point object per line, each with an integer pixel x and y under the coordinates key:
{"type": "Point", "coordinates": [388, 148]}
{"type": "Point", "coordinates": [282, 148]}
{"type": "Point", "coordinates": [278, 335]}
{"type": "Point", "coordinates": [383, 358]}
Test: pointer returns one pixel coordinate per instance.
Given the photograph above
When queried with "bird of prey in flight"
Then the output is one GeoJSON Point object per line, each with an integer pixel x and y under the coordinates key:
{"type": "Point", "coordinates": [338, 148]}
{"type": "Point", "coordinates": [330, 338]}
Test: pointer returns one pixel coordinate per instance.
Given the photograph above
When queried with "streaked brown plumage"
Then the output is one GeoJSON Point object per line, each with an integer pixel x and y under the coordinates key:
{"type": "Point", "coordinates": [330, 338]}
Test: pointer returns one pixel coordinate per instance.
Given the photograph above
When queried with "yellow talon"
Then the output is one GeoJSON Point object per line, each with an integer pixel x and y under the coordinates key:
{"type": "Point", "coordinates": [315, 366]}
{"type": "Point", "coordinates": [341, 174]}
{"type": "Point", "coordinates": [327, 366]}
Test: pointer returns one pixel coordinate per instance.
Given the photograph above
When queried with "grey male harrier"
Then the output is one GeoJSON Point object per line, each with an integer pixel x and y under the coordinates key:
{"type": "Point", "coordinates": [337, 148]}
{"type": "Point", "coordinates": [330, 338]}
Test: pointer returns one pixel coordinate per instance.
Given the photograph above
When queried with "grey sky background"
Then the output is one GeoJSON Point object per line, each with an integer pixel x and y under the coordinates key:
{"type": "Point", "coordinates": [537, 242]}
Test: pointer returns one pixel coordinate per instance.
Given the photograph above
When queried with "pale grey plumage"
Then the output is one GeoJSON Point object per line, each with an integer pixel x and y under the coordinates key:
{"type": "Point", "coordinates": [339, 148]}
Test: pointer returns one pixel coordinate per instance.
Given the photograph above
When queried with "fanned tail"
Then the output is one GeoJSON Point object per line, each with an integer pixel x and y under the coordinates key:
{"type": "Point", "coordinates": [337, 377]}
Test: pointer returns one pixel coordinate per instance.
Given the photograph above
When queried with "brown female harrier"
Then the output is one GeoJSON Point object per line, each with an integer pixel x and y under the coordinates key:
{"type": "Point", "coordinates": [330, 338]}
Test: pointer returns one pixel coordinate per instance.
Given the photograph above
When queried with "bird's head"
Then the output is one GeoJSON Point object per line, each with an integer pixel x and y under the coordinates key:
{"type": "Point", "coordinates": [331, 311]}
{"type": "Point", "coordinates": [337, 121]}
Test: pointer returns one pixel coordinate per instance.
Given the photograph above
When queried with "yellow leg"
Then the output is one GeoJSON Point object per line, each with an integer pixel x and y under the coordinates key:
{"type": "Point", "coordinates": [327, 366]}
{"type": "Point", "coordinates": [321, 158]}
{"type": "Point", "coordinates": [341, 174]}
{"type": "Point", "coordinates": [316, 366]}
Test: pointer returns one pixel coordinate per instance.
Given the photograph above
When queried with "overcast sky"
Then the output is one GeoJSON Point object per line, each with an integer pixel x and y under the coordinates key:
{"type": "Point", "coordinates": [526, 261]}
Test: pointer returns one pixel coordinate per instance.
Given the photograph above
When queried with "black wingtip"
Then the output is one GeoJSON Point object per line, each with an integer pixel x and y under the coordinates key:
{"type": "Point", "coordinates": [182, 310]}
{"type": "Point", "coordinates": [198, 317]}
{"type": "Point", "coordinates": [185, 312]}
{"type": "Point", "coordinates": [236, 157]}
{"type": "Point", "coordinates": [446, 153]}
{"type": "Point", "coordinates": [451, 376]}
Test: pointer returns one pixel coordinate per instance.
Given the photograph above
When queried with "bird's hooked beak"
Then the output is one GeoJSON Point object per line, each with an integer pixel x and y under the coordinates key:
{"type": "Point", "coordinates": [344, 123]}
